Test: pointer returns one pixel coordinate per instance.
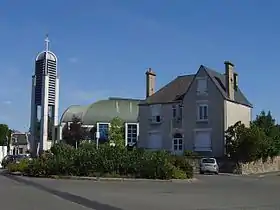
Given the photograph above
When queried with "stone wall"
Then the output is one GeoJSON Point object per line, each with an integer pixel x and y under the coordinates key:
{"type": "Point", "coordinates": [270, 165]}
{"type": "Point", "coordinates": [227, 166]}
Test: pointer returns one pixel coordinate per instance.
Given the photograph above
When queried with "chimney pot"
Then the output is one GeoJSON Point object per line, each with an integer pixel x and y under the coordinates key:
{"type": "Point", "coordinates": [150, 72]}
{"type": "Point", "coordinates": [228, 63]}
{"type": "Point", "coordinates": [230, 80]}
{"type": "Point", "coordinates": [150, 82]}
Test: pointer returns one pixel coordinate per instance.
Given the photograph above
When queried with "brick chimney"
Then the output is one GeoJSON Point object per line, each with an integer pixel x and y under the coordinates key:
{"type": "Point", "coordinates": [150, 82]}
{"type": "Point", "coordinates": [231, 79]}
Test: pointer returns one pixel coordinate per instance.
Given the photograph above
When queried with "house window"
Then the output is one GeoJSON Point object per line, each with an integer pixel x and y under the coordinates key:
{"type": "Point", "coordinates": [131, 133]}
{"type": "Point", "coordinates": [20, 150]}
{"type": "Point", "coordinates": [202, 112]}
{"type": "Point", "coordinates": [103, 129]}
{"type": "Point", "coordinates": [203, 141]}
{"type": "Point", "coordinates": [156, 113]}
{"type": "Point", "coordinates": [181, 111]}
{"type": "Point", "coordinates": [201, 86]}
{"type": "Point", "coordinates": [174, 109]}
{"type": "Point", "coordinates": [178, 143]}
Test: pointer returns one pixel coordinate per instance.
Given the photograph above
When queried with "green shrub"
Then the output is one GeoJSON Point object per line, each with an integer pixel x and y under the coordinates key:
{"type": "Point", "coordinates": [18, 167]}
{"type": "Point", "coordinates": [109, 161]}
{"type": "Point", "coordinates": [190, 154]}
{"type": "Point", "coordinates": [179, 174]}
{"type": "Point", "coordinates": [183, 164]}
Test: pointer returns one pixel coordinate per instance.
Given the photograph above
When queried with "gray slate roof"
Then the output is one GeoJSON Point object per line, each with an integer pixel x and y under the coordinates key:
{"type": "Point", "coordinates": [172, 91]}
{"type": "Point", "coordinates": [21, 139]}
{"type": "Point", "coordinates": [177, 88]}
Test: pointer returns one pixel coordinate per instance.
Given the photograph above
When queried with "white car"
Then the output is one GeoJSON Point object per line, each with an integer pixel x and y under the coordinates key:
{"type": "Point", "coordinates": [208, 165]}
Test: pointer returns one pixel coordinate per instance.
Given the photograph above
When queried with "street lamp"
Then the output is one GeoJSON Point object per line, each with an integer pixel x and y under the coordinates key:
{"type": "Point", "coordinates": [97, 136]}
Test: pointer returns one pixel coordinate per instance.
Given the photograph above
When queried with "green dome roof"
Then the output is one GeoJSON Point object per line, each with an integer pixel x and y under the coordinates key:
{"type": "Point", "coordinates": [104, 111]}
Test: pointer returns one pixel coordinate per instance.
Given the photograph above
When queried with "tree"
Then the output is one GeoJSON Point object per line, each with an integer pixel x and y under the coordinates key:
{"type": "Point", "coordinates": [116, 132]}
{"type": "Point", "coordinates": [259, 141]}
{"type": "Point", "coordinates": [65, 132]}
{"type": "Point", "coordinates": [4, 134]}
{"type": "Point", "coordinates": [244, 144]}
{"type": "Point", "coordinates": [10, 132]}
{"type": "Point", "coordinates": [267, 124]}
{"type": "Point", "coordinates": [73, 132]}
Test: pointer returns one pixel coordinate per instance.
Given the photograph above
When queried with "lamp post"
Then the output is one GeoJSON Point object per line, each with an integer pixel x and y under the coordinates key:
{"type": "Point", "coordinates": [97, 135]}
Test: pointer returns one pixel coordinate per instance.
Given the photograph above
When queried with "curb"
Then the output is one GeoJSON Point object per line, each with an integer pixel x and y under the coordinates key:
{"type": "Point", "coordinates": [229, 174]}
{"type": "Point", "coordinates": [225, 174]}
{"type": "Point", "coordinates": [98, 179]}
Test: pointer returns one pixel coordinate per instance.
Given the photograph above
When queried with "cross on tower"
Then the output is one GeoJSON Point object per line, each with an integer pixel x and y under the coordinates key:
{"type": "Point", "coordinates": [47, 41]}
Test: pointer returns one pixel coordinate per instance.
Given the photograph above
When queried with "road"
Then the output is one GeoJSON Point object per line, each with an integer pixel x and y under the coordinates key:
{"type": "Point", "coordinates": [208, 193]}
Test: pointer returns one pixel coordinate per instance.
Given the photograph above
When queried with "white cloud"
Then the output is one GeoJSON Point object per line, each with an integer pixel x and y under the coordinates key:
{"type": "Point", "coordinates": [7, 102]}
{"type": "Point", "coordinates": [73, 60]}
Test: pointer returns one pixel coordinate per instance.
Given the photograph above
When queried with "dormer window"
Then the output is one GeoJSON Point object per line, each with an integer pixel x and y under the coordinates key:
{"type": "Point", "coordinates": [201, 86]}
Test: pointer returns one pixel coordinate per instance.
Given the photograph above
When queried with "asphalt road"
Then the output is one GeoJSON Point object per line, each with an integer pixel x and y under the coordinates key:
{"type": "Point", "coordinates": [208, 193]}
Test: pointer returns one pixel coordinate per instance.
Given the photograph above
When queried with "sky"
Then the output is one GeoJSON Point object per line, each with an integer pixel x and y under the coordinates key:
{"type": "Point", "coordinates": [105, 46]}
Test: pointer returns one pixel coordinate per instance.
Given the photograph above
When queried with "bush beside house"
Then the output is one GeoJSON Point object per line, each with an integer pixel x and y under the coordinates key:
{"type": "Point", "coordinates": [65, 160]}
{"type": "Point", "coordinates": [74, 158]}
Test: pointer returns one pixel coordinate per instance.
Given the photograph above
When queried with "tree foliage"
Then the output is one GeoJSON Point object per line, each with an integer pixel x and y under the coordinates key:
{"type": "Point", "coordinates": [117, 132]}
{"type": "Point", "coordinates": [4, 134]}
{"type": "Point", "coordinates": [73, 132]}
{"type": "Point", "coordinates": [259, 141]}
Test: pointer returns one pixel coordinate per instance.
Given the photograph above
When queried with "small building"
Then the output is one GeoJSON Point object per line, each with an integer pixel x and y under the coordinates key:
{"type": "Point", "coordinates": [192, 112]}
{"type": "Point", "coordinates": [98, 115]}
{"type": "Point", "coordinates": [20, 143]}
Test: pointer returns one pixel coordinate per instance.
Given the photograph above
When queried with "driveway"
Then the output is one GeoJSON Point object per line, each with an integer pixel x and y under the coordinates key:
{"type": "Point", "coordinates": [209, 193]}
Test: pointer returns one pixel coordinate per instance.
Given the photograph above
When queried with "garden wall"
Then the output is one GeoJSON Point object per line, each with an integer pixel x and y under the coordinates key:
{"type": "Point", "coordinates": [227, 166]}
{"type": "Point", "coordinates": [3, 153]}
{"type": "Point", "coordinates": [259, 166]}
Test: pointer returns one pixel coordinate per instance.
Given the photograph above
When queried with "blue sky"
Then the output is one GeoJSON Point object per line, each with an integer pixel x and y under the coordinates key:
{"type": "Point", "coordinates": [104, 47]}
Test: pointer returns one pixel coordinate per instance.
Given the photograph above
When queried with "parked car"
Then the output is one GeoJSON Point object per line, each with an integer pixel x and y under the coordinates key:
{"type": "Point", "coordinates": [208, 165]}
{"type": "Point", "coordinates": [12, 159]}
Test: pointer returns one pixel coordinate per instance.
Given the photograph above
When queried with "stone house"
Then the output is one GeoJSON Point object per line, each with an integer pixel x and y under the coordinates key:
{"type": "Point", "coordinates": [192, 112]}
{"type": "Point", "coordinates": [20, 143]}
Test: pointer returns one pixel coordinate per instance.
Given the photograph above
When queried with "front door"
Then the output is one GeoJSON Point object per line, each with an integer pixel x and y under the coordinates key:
{"type": "Point", "coordinates": [177, 143]}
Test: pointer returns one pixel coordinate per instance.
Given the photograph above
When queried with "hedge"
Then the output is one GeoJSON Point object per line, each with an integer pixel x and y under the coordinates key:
{"type": "Point", "coordinates": [64, 160]}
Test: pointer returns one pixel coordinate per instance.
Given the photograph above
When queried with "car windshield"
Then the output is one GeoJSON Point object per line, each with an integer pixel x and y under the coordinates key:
{"type": "Point", "coordinates": [7, 157]}
{"type": "Point", "coordinates": [19, 156]}
{"type": "Point", "coordinates": [208, 160]}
